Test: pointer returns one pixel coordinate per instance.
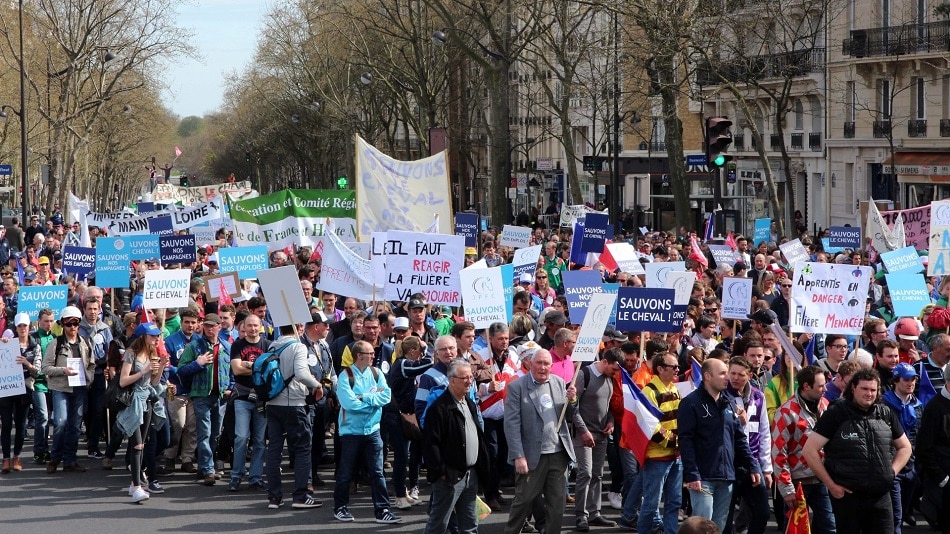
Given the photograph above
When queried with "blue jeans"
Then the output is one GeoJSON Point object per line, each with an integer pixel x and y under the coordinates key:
{"type": "Point", "coordinates": [67, 418]}
{"type": "Point", "coordinates": [207, 430]}
{"type": "Point", "coordinates": [40, 423]}
{"type": "Point", "coordinates": [819, 501]}
{"type": "Point", "coordinates": [294, 421]}
{"type": "Point", "coordinates": [632, 486]}
{"type": "Point", "coordinates": [658, 476]}
{"type": "Point", "coordinates": [713, 502]}
{"type": "Point", "coordinates": [458, 498]}
{"type": "Point", "coordinates": [249, 424]}
{"type": "Point", "coordinates": [368, 449]}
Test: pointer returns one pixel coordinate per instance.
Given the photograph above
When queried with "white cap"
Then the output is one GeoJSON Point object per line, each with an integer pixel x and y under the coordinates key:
{"type": "Point", "coordinates": [71, 311]}
{"type": "Point", "coordinates": [402, 323]}
{"type": "Point", "coordinates": [21, 318]}
{"type": "Point", "coordinates": [526, 278]}
{"type": "Point", "coordinates": [213, 258]}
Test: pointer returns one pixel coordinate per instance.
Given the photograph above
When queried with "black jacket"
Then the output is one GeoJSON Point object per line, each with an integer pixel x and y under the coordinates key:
{"type": "Point", "coordinates": [443, 441]}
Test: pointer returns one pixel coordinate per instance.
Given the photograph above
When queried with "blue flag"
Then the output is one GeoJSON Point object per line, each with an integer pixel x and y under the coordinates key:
{"type": "Point", "coordinates": [697, 373]}
{"type": "Point", "coordinates": [926, 390]}
{"type": "Point", "coordinates": [810, 350]}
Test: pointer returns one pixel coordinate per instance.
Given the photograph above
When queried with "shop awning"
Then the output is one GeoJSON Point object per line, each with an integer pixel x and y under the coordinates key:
{"type": "Point", "coordinates": [932, 165]}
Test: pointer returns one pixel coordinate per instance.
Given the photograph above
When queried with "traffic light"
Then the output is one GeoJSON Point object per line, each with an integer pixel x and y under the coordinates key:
{"type": "Point", "coordinates": [341, 182]}
{"type": "Point", "coordinates": [184, 181]}
{"type": "Point", "coordinates": [247, 157]}
{"type": "Point", "coordinates": [718, 139]}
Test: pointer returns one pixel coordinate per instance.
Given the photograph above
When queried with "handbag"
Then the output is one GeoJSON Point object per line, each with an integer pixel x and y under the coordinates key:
{"type": "Point", "coordinates": [117, 397]}
{"type": "Point", "coordinates": [410, 426]}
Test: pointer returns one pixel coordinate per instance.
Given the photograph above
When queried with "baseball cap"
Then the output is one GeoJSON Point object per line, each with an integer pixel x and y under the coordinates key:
{"type": "Point", "coordinates": [556, 317]}
{"type": "Point", "coordinates": [21, 318]}
{"type": "Point", "coordinates": [905, 371]}
{"type": "Point", "coordinates": [147, 329]}
{"type": "Point", "coordinates": [212, 319]}
{"type": "Point", "coordinates": [70, 312]}
{"type": "Point", "coordinates": [44, 260]}
{"type": "Point", "coordinates": [402, 323]}
{"type": "Point", "coordinates": [907, 329]}
{"type": "Point", "coordinates": [416, 303]}
{"type": "Point", "coordinates": [612, 334]}
{"type": "Point", "coordinates": [766, 317]}
{"type": "Point", "coordinates": [318, 317]}
{"type": "Point", "coordinates": [213, 258]}
{"type": "Point", "coordinates": [525, 278]}
{"type": "Point", "coordinates": [527, 350]}
{"type": "Point", "coordinates": [152, 260]}
{"type": "Point", "coordinates": [29, 276]}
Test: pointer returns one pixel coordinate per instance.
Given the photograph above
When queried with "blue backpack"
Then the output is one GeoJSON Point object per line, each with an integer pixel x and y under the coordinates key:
{"type": "Point", "coordinates": [266, 375]}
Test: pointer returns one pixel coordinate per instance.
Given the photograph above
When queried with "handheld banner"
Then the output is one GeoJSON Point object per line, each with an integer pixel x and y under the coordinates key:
{"type": "Point", "coordinates": [902, 259]}
{"type": "Point", "coordinates": [285, 300]}
{"type": "Point", "coordinates": [11, 373]}
{"type": "Point", "coordinates": [579, 287]}
{"type": "Point", "coordinates": [466, 225]}
{"type": "Point", "coordinates": [178, 249]}
{"type": "Point", "coordinates": [483, 295]}
{"type": "Point", "coordinates": [794, 252]}
{"type": "Point", "coordinates": [515, 236]}
{"type": "Point", "coordinates": [526, 260]}
{"type": "Point", "coordinates": [596, 228]}
{"type": "Point", "coordinates": [32, 299]}
{"type": "Point", "coordinates": [213, 286]}
{"type": "Point", "coordinates": [908, 293]}
{"type": "Point", "coordinates": [657, 272]}
{"type": "Point", "coordinates": [938, 262]}
{"type": "Point", "coordinates": [763, 231]}
{"type": "Point", "coordinates": [736, 298]}
{"type": "Point", "coordinates": [845, 237]}
{"type": "Point", "coordinates": [112, 262]}
{"type": "Point", "coordinates": [829, 298]}
{"type": "Point", "coordinates": [143, 247]}
{"type": "Point", "coordinates": [646, 310]}
{"type": "Point", "coordinates": [78, 262]}
{"type": "Point", "coordinates": [592, 329]}
{"type": "Point", "coordinates": [425, 263]}
{"type": "Point", "coordinates": [166, 289]}
{"type": "Point", "coordinates": [246, 261]}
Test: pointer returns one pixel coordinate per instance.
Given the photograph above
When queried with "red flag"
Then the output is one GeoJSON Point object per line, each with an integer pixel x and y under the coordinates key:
{"type": "Point", "coordinates": [224, 298]}
{"type": "Point", "coordinates": [144, 315]}
{"type": "Point", "coordinates": [607, 258]}
{"type": "Point", "coordinates": [731, 241]}
{"type": "Point", "coordinates": [177, 152]}
{"type": "Point", "coordinates": [696, 253]}
{"type": "Point", "coordinates": [798, 516]}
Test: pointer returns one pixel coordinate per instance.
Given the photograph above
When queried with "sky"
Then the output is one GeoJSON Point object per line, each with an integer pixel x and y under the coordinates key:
{"type": "Point", "coordinates": [225, 35]}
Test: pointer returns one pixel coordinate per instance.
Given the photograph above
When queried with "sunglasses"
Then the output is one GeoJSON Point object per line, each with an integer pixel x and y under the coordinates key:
{"type": "Point", "coordinates": [786, 285]}
{"type": "Point", "coordinates": [70, 323]}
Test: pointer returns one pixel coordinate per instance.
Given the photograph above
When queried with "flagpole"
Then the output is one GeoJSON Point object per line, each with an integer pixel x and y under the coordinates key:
{"type": "Point", "coordinates": [560, 420]}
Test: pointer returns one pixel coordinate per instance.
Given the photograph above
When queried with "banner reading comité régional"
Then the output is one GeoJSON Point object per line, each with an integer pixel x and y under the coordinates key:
{"type": "Point", "coordinates": [295, 216]}
{"type": "Point", "coordinates": [401, 195]}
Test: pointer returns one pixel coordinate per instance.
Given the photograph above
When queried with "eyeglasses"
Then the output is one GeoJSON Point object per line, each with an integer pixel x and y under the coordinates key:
{"type": "Point", "coordinates": [669, 366]}
{"type": "Point", "coordinates": [711, 310]}
{"type": "Point", "coordinates": [464, 378]}
{"type": "Point", "coordinates": [542, 277]}
{"type": "Point", "coordinates": [368, 352]}
{"type": "Point", "coordinates": [769, 358]}
{"type": "Point", "coordinates": [878, 332]}
{"type": "Point", "coordinates": [837, 346]}
{"type": "Point", "coordinates": [70, 323]}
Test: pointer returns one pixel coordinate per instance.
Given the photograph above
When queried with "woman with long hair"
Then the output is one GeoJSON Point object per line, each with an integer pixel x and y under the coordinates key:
{"type": "Point", "coordinates": [410, 363]}
{"type": "Point", "coordinates": [766, 284]}
{"type": "Point", "coordinates": [14, 408]}
{"type": "Point", "coordinates": [142, 370]}
{"type": "Point", "coordinates": [542, 289]}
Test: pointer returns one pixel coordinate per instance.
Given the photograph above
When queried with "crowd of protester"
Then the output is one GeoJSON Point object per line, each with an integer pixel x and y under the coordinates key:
{"type": "Point", "coordinates": [382, 392]}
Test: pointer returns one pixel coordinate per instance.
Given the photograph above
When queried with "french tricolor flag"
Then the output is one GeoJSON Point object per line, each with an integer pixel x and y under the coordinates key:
{"type": "Point", "coordinates": [640, 418]}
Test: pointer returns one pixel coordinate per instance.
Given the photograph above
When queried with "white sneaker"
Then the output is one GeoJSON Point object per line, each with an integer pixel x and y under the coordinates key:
{"type": "Point", "coordinates": [414, 493]}
{"type": "Point", "coordinates": [139, 494]}
{"type": "Point", "coordinates": [403, 503]}
{"type": "Point", "coordinates": [616, 501]}
{"type": "Point", "coordinates": [414, 502]}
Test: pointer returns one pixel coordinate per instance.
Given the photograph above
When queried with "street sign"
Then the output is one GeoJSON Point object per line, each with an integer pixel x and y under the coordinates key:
{"type": "Point", "coordinates": [545, 164]}
{"type": "Point", "coordinates": [6, 169]}
{"type": "Point", "coordinates": [696, 159]}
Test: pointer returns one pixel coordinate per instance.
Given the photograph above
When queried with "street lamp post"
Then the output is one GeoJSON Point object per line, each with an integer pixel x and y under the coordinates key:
{"type": "Point", "coordinates": [23, 147]}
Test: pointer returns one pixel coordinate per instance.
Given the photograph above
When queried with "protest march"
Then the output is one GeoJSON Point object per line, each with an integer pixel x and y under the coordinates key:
{"type": "Point", "coordinates": [631, 378]}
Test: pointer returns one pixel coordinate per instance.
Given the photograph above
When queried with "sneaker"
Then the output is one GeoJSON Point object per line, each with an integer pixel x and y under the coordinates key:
{"type": "Point", "coordinates": [414, 493]}
{"type": "Point", "coordinates": [162, 470]}
{"type": "Point", "coordinates": [274, 503]}
{"type": "Point", "coordinates": [139, 495]}
{"type": "Point", "coordinates": [51, 466]}
{"type": "Point", "coordinates": [402, 503]}
{"type": "Point", "coordinates": [189, 467]}
{"type": "Point", "coordinates": [95, 455]}
{"type": "Point", "coordinates": [616, 501]}
{"type": "Point", "coordinates": [387, 517]}
{"type": "Point", "coordinates": [39, 459]}
{"type": "Point", "coordinates": [234, 485]}
{"type": "Point", "coordinates": [627, 525]}
{"type": "Point", "coordinates": [318, 482]}
{"type": "Point", "coordinates": [106, 463]}
{"type": "Point", "coordinates": [131, 489]}
{"type": "Point", "coordinates": [342, 514]}
{"type": "Point", "coordinates": [309, 502]}
{"type": "Point", "coordinates": [209, 479]}
{"type": "Point", "coordinates": [259, 486]}
{"type": "Point", "coordinates": [155, 488]}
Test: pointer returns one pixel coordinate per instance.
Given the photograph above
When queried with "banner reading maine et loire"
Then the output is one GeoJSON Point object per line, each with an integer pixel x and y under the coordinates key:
{"type": "Point", "coordinates": [295, 216]}
{"type": "Point", "coordinates": [401, 195]}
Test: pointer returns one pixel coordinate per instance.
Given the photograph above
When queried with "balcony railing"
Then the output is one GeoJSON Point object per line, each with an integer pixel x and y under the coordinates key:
{"type": "Point", "coordinates": [898, 40]}
{"type": "Point", "coordinates": [775, 141]}
{"type": "Point", "coordinates": [738, 141]}
{"type": "Point", "coordinates": [881, 129]}
{"type": "Point", "coordinates": [814, 141]}
{"type": "Point", "coordinates": [849, 130]}
{"type": "Point", "coordinates": [786, 65]}
{"type": "Point", "coordinates": [944, 127]}
{"type": "Point", "coordinates": [798, 141]}
{"type": "Point", "coordinates": [917, 128]}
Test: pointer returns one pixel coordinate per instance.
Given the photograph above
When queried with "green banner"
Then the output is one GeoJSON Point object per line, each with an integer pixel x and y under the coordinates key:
{"type": "Point", "coordinates": [295, 216]}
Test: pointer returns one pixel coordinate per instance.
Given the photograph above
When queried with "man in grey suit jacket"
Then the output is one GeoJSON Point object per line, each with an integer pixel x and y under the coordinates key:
{"type": "Point", "coordinates": [539, 448]}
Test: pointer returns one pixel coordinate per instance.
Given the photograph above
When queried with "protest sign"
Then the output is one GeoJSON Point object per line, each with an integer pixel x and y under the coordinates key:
{"type": "Point", "coordinates": [845, 237]}
{"type": "Point", "coordinates": [579, 287]}
{"type": "Point", "coordinates": [794, 252]}
{"type": "Point", "coordinates": [466, 225]}
{"type": "Point", "coordinates": [32, 299]}
{"type": "Point", "coordinates": [161, 225]}
{"type": "Point", "coordinates": [425, 263]}
{"type": "Point", "coordinates": [204, 193]}
{"type": "Point", "coordinates": [681, 282]}
{"type": "Point", "coordinates": [596, 231]}
{"type": "Point", "coordinates": [204, 235]}
{"type": "Point", "coordinates": [293, 217]}
{"type": "Point", "coordinates": [213, 283]}
{"type": "Point", "coordinates": [285, 300]}
{"type": "Point", "coordinates": [612, 288]}
{"type": "Point", "coordinates": [379, 247]}
{"type": "Point", "coordinates": [940, 213]}
{"type": "Point", "coordinates": [916, 226]}
{"type": "Point", "coordinates": [526, 260]}
{"type": "Point", "coordinates": [483, 295]}
{"type": "Point", "coordinates": [515, 236]}
{"type": "Point", "coordinates": [902, 259]}
{"type": "Point", "coordinates": [344, 272]}
{"type": "Point", "coordinates": [137, 225]}
{"type": "Point", "coordinates": [908, 292]}
{"type": "Point", "coordinates": [576, 255]}
{"type": "Point", "coordinates": [178, 249]}
{"type": "Point", "coordinates": [245, 261]}
{"type": "Point", "coordinates": [202, 213]}
{"type": "Point", "coordinates": [570, 214]}
{"type": "Point", "coordinates": [763, 231]}
{"type": "Point", "coordinates": [144, 208]}
{"type": "Point", "coordinates": [166, 289]}
{"type": "Point", "coordinates": [508, 283]}
{"type": "Point", "coordinates": [626, 257]}
{"type": "Point", "coordinates": [736, 298]}
{"type": "Point", "coordinates": [112, 262]}
{"type": "Point", "coordinates": [829, 298]}
{"type": "Point", "coordinates": [79, 261]}
{"type": "Point", "coordinates": [646, 309]}
{"type": "Point", "coordinates": [724, 255]}
{"type": "Point", "coordinates": [588, 340]}
{"type": "Point", "coordinates": [401, 195]}
{"type": "Point", "coordinates": [143, 247]}
{"type": "Point", "coordinates": [826, 246]}
{"type": "Point", "coordinates": [11, 373]}
{"type": "Point", "coordinates": [938, 262]}
{"type": "Point", "coordinates": [657, 272]}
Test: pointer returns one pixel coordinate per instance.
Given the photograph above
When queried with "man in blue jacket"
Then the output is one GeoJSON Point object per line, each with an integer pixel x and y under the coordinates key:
{"type": "Point", "coordinates": [713, 444]}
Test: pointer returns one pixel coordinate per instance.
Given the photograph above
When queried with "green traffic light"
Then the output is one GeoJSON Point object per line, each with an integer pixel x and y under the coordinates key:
{"type": "Point", "coordinates": [719, 161]}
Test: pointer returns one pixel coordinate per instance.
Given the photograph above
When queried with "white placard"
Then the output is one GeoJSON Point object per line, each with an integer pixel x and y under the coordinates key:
{"type": "Point", "coordinates": [11, 373]}
{"type": "Point", "coordinates": [658, 271]}
{"type": "Point", "coordinates": [736, 297]}
{"type": "Point", "coordinates": [379, 247]}
{"type": "Point", "coordinates": [829, 298]}
{"type": "Point", "coordinates": [515, 236]}
{"type": "Point", "coordinates": [285, 300]}
{"type": "Point", "coordinates": [166, 289]}
{"type": "Point", "coordinates": [682, 283]}
{"type": "Point", "coordinates": [526, 256]}
{"type": "Point", "coordinates": [344, 272]}
{"type": "Point", "coordinates": [78, 379]}
{"type": "Point", "coordinates": [592, 330]}
{"type": "Point", "coordinates": [794, 252]}
{"type": "Point", "coordinates": [483, 295]}
{"type": "Point", "coordinates": [627, 257]}
{"type": "Point", "coordinates": [204, 235]}
{"type": "Point", "coordinates": [425, 263]}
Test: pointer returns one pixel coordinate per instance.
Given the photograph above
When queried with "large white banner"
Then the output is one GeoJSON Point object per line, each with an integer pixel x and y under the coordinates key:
{"type": "Point", "coordinates": [425, 263]}
{"type": "Point", "coordinates": [167, 289]}
{"type": "Point", "coordinates": [401, 195]}
{"type": "Point", "coordinates": [882, 238]}
{"type": "Point", "coordinates": [483, 294]}
{"type": "Point", "coordinates": [204, 193]}
{"type": "Point", "coordinates": [829, 298]}
{"type": "Point", "coordinates": [344, 272]}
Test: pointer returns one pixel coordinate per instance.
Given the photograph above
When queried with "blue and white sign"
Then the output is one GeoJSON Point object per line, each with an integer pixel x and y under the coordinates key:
{"type": "Point", "coordinates": [144, 208]}
{"type": "Point", "coordinates": [143, 247]}
{"type": "Point", "coordinates": [466, 224]}
{"type": "Point", "coordinates": [178, 249]}
{"type": "Point", "coordinates": [596, 227]}
{"type": "Point", "coordinates": [161, 225]}
{"type": "Point", "coordinates": [657, 272]}
{"type": "Point", "coordinates": [845, 237]}
{"type": "Point", "coordinates": [79, 261]}
{"type": "Point", "coordinates": [724, 255]}
{"type": "Point", "coordinates": [112, 261]}
{"type": "Point", "coordinates": [902, 259]}
{"type": "Point", "coordinates": [6, 169]}
{"type": "Point", "coordinates": [794, 252]}
{"type": "Point", "coordinates": [826, 246]}
{"type": "Point", "coordinates": [576, 255]}
{"type": "Point", "coordinates": [508, 282]}
{"type": "Point", "coordinates": [515, 236]}
{"type": "Point", "coordinates": [32, 299]}
{"type": "Point", "coordinates": [736, 298]}
{"type": "Point", "coordinates": [646, 310]}
{"type": "Point", "coordinates": [612, 290]}
{"type": "Point", "coordinates": [245, 261]}
{"type": "Point", "coordinates": [526, 260]}
{"type": "Point", "coordinates": [204, 234]}
{"type": "Point", "coordinates": [908, 292]}
{"type": "Point", "coordinates": [579, 287]}
{"type": "Point", "coordinates": [763, 230]}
